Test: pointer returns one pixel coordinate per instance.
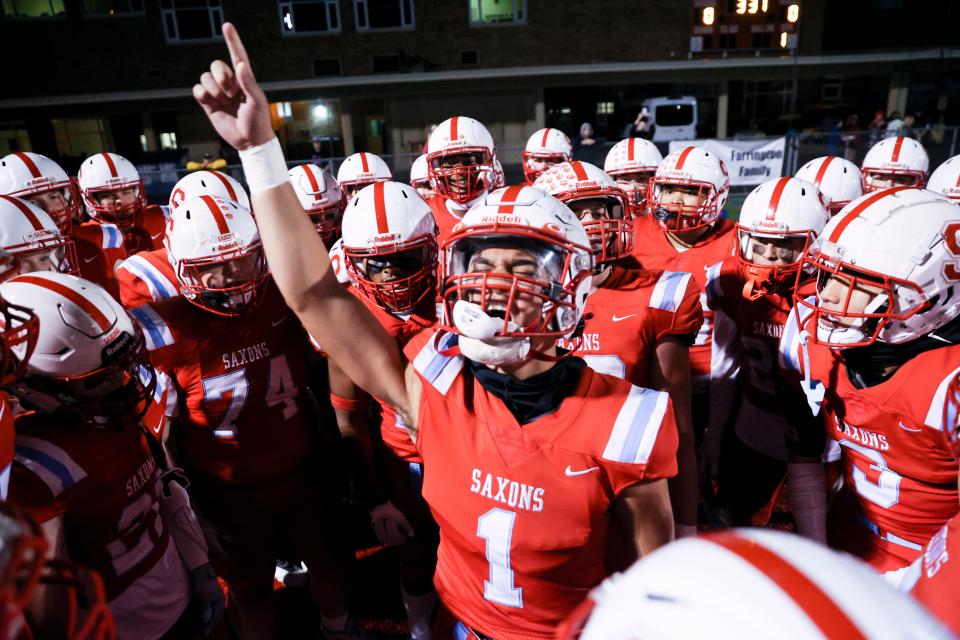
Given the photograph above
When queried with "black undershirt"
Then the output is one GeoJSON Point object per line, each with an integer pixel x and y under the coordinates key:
{"type": "Point", "coordinates": [536, 396]}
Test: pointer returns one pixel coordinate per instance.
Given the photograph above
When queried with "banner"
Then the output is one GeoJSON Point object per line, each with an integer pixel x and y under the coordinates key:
{"type": "Point", "coordinates": [749, 162]}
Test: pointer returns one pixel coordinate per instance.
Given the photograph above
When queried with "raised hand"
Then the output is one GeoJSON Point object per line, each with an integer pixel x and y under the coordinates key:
{"type": "Point", "coordinates": [232, 99]}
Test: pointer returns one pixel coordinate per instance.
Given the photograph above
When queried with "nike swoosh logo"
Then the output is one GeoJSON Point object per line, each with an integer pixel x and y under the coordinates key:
{"type": "Point", "coordinates": [618, 319]}
{"type": "Point", "coordinates": [571, 473]}
{"type": "Point", "coordinates": [156, 236]}
{"type": "Point", "coordinates": [906, 428]}
{"type": "Point", "coordinates": [277, 323]}
{"type": "Point", "coordinates": [88, 261]}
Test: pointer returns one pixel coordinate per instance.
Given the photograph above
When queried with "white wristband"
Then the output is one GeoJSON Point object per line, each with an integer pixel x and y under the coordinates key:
{"type": "Point", "coordinates": [264, 166]}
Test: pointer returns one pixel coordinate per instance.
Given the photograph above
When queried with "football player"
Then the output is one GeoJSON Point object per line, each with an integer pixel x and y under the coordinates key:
{"type": "Point", "coordinates": [946, 179]}
{"type": "Point", "coordinates": [89, 461]}
{"type": "Point", "coordinates": [751, 295]}
{"type": "Point", "coordinates": [41, 181]}
{"type": "Point", "coordinates": [34, 586]}
{"type": "Point", "coordinates": [875, 344]}
{"type": "Point", "coordinates": [390, 252]}
{"type": "Point", "coordinates": [420, 178]}
{"type": "Point", "coordinates": [359, 170]}
{"type": "Point", "coordinates": [496, 412]}
{"type": "Point", "coordinates": [114, 193]}
{"type": "Point", "coordinates": [148, 276]}
{"type": "Point", "coordinates": [247, 434]}
{"type": "Point", "coordinates": [545, 148]}
{"type": "Point", "coordinates": [32, 237]}
{"type": "Point", "coordinates": [932, 577]}
{"type": "Point", "coordinates": [838, 180]}
{"type": "Point", "coordinates": [797, 589]}
{"type": "Point", "coordinates": [461, 163]}
{"type": "Point", "coordinates": [632, 163]}
{"type": "Point", "coordinates": [639, 324]}
{"type": "Point", "coordinates": [321, 199]}
{"type": "Point", "coordinates": [895, 162]}
{"type": "Point", "coordinates": [688, 232]}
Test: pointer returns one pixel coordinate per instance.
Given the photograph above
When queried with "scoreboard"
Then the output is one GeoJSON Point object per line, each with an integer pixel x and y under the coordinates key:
{"type": "Point", "coordinates": [727, 25]}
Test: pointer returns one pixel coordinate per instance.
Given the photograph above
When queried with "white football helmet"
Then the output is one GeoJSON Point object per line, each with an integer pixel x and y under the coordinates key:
{"type": "Point", "coordinates": [838, 180]}
{"type": "Point", "coordinates": [891, 260]}
{"type": "Point", "coordinates": [609, 223]}
{"type": "Point", "coordinates": [545, 148]}
{"type": "Point", "coordinates": [32, 237]}
{"type": "Point", "coordinates": [632, 163]}
{"type": "Point", "coordinates": [748, 583]}
{"type": "Point", "coordinates": [207, 182]}
{"type": "Point", "coordinates": [946, 179]}
{"type": "Point", "coordinates": [420, 177]}
{"type": "Point", "coordinates": [774, 213]}
{"type": "Point", "coordinates": [359, 170]}
{"type": "Point", "coordinates": [460, 159]}
{"type": "Point", "coordinates": [895, 162]}
{"type": "Point", "coordinates": [90, 358]}
{"type": "Point", "coordinates": [112, 189]}
{"type": "Point", "coordinates": [390, 245]}
{"type": "Point", "coordinates": [214, 247]}
{"type": "Point", "coordinates": [321, 198]}
{"type": "Point", "coordinates": [496, 312]}
{"type": "Point", "coordinates": [40, 180]}
{"type": "Point", "coordinates": [689, 189]}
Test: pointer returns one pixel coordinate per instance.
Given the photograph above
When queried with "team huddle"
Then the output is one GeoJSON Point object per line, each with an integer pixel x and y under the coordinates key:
{"type": "Point", "coordinates": [534, 389]}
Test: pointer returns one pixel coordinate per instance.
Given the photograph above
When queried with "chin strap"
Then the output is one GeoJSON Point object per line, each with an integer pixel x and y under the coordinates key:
{"type": "Point", "coordinates": [753, 288]}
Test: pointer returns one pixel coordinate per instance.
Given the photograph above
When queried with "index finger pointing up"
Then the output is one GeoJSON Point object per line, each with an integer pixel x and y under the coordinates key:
{"type": "Point", "coordinates": [234, 45]}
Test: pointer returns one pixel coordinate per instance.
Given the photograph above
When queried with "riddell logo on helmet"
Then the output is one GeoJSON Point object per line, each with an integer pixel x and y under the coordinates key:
{"type": "Point", "coordinates": [587, 184]}
{"type": "Point", "coordinates": [40, 180]}
{"type": "Point", "coordinates": [386, 238]}
{"type": "Point", "coordinates": [500, 217]}
{"type": "Point", "coordinates": [115, 344]}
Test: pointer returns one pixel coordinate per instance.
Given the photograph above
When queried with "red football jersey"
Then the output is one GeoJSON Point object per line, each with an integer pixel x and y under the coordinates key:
{"type": "Point", "coordinates": [447, 214]}
{"type": "Point", "coordinates": [100, 250]}
{"type": "Point", "coordinates": [6, 444]}
{"type": "Point", "coordinates": [147, 234]}
{"type": "Point", "coordinates": [933, 577]}
{"type": "Point", "coordinates": [630, 313]}
{"type": "Point", "coordinates": [654, 251]}
{"type": "Point", "coordinates": [392, 429]}
{"type": "Point", "coordinates": [896, 462]}
{"type": "Point", "coordinates": [746, 339]}
{"type": "Point", "coordinates": [104, 482]}
{"type": "Point", "coordinates": [525, 511]}
{"type": "Point", "coordinates": [241, 383]}
{"type": "Point", "coordinates": [147, 277]}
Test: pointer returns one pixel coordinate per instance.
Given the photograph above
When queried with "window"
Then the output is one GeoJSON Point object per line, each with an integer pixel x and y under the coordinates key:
{"type": "Point", "coordinates": [33, 9]}
{"type": "Point", "coordinates": [485, 13]}
{"type": "Point", "coordinates": [604, 108]}
{"type": "Point", "coordinates": [383, 14]}
{"type": "Point", "coordinates": [191, 20]}
{"type": "Point", "coordinates": [108, 8]}
{"type": "Point", "coordinates": [309, 16]}
{"type": "Point", "coordinates": [674, 115]}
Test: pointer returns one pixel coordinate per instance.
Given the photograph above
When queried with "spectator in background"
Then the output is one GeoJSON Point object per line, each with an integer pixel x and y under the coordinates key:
{"type": "Point", "coordinates": [642, 127]}
{"type": "Point", "coordinates": [586, 135]}
{"type": "Point", "coordinates": [848, 136]}
{"type": "Point", "coordinates": [586, 147]}
{"type": "Point", "coordinates": [909, 121]}
{"type": "Point", "coordinates": [877, 127]}
{"type": "Point", "coordinates": [208, 162]}
{"type": "Point", "coordinates": [318, 157]}
{"type": "Point", "coordinates": [894, 125]}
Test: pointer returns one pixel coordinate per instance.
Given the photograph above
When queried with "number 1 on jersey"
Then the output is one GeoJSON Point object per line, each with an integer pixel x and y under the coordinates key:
{"type": "Point", "coordinates": [496, 528]}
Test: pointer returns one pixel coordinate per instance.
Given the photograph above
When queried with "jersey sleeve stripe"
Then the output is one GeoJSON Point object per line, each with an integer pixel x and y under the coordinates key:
{"type": "Point", "coordinates": [160, 288]}
{"type": "Point", "coordinates": [438, 369]}
{"type": "Point", "coordinates": [155, 330]}
{"type": "Point", "coordinates": [789, 355]}
{"type": "Point", "coordinates": [50, 463]}
{"type": "Point", "coordinates": [713, 289]}
{"type": "Point", "coordinates": [636, 427]}
{"type": "Point", "coordinates": [669, 290]}
{"type": "Point", "coordinates": [935, 416]}
{"type": "Point", "coordinates": [112, 238]}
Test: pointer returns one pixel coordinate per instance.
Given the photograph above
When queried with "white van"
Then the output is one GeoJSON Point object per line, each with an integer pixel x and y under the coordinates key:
{"type": "Point", "coordinates": [674, 117]}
